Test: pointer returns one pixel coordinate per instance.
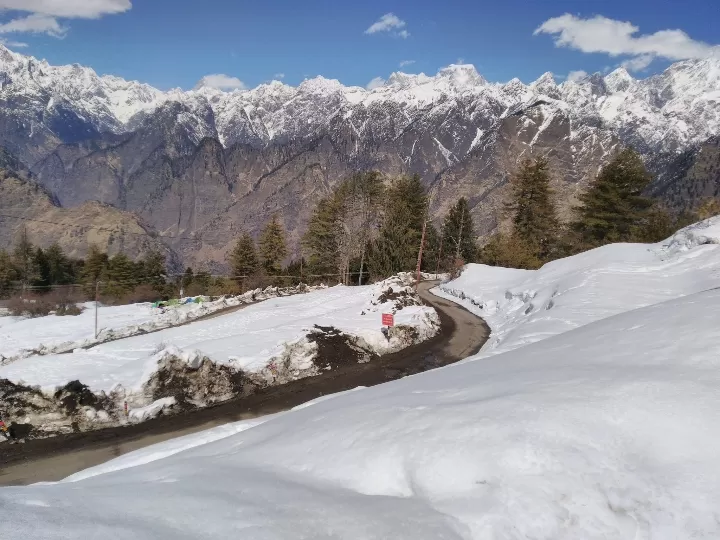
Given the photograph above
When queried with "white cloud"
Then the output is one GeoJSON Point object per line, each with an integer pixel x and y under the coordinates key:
{"type": "Point", "coordinates": [34, 24]}
{"type": "Point", "coordinates": [13, 44]}
{"type": "Point", "coordinates": [279, 76]}
{"type": "Point", "coordinates": [70, 9]}
{"type": "Point", "coordinates": [638, 63]}
{"type": "Point", "coordinates": [407, 63]}
{"type": "Point", "coordinates": [615, 38]}
{"type": "Point", "coordinates": [460, 61]}
{"type": "Point", "coordinates": [389, 23]}
{"type": "Point", "coordinates": [577, 75]}
{"type": "Point", "coordinates": [377, 82]}
{"type": "Point", "coordinates": [221, 82]}
{"type": "Point", "coordinates": [44, 14]}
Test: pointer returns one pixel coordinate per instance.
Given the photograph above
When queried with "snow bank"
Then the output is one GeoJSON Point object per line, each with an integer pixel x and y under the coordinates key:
{"type": "Point", "coordinates": [522, 306]}
{"type": "Point", "coordinates": [604, 431]}
{"type": "Point", "coordinates": [269, 343]}
{"type": "Point", "coordinates": [151, 411]}
{"type": "Point", "coordinates": [21, 337]}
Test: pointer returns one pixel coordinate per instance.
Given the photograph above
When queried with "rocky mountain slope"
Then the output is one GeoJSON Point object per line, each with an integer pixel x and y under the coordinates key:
{"type": "Point", "coordinates": [204, 164]}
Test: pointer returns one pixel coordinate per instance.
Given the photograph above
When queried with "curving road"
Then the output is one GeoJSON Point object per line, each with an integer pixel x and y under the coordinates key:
{"type": "Point", "coordinates": [462, 334]}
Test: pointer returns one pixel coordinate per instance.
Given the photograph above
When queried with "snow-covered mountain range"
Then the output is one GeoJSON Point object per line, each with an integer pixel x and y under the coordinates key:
{"type": "Point", "coordinates": [669, 111]}
{"type": "Point", "coordinates": [127, 144]}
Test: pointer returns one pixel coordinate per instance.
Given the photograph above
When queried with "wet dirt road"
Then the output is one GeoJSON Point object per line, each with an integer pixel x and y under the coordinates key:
{"type": "Point", "coordinates": [462, 334]}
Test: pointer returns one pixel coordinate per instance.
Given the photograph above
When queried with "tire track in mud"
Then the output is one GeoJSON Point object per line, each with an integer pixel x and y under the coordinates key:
{"type": "Point", "coordinates": [462, 334]}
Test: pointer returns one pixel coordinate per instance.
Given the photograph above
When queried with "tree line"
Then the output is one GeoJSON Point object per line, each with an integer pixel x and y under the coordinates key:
{"type": "Point", "coordinates": [370, 227]}
{"type": "Point", "coordinates": [613, 209]}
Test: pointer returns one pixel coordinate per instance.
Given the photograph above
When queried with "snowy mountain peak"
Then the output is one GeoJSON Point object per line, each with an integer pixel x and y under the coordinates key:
{"type": "Point", "coordinates": [461, 76]}
{"type": "Point", "coordinates": [619, 80]}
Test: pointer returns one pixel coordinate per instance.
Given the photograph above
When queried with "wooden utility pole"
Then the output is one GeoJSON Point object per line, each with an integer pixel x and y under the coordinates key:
{"type": "Point", "coordinates": [420, 253]}
{"type": "Point", "coordinates": [97, 300]}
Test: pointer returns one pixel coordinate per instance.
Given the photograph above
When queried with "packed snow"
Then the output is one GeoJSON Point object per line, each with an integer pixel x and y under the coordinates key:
{"type": "Point", "coordinates": [524, 306]}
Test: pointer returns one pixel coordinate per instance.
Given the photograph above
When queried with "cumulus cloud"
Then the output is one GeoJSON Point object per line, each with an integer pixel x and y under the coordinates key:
{"type": "Point", "coordinates": [34, 24]}
{"type": "Point", "coordinates": [389, 23]}
{"type": "Point", "coordinates": [577, 75]}
{"type": "Point", "coordinates": [221, 82]}
{"type": "Point", "coordinates": [603, 35]}
{"type": "Point", "coordinates": [44, 14]}
{"type": "Point", "coordinates": [407, 63]}
{"type": "Point", "coordinates": [377, 82]}
{"type": "Point", "coordinates": [70, 9]}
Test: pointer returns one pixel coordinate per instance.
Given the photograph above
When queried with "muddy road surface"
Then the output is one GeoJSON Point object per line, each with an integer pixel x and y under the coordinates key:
{"type": "Point", "coordinates": [462, 334]}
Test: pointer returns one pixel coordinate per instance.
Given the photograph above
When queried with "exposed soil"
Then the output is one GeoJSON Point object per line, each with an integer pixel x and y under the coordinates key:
{"type": "Point", "coordinates": [337, 349]}
{"type": "Point", "coordinates": [461, 335]}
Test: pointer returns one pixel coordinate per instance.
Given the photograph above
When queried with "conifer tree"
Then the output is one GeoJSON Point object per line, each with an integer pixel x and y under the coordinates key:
{"type": "Point", "coordinates": [459, 232]}
{"type": "Point", "coordinates": [120, 275]}
{"type": "Point", "coordinates": [273, 248]}
{"type": "Point", "coordinates": [320, 242]}
{"type": "Point", "coordinates": [535, 222]}
{"type": "Point", "coordinates": [244, 258]}
{"type": "Point", "coordinates": [96, 262]}
{"type": "Point", "coordinates": [404, 211]}
{"type": "Point", "coordinates": [24, 259]}
{"type": "Point", "coordinates": [60, 267]}
{"type": "Point", "coordinates": [8, 274]}
{"type": "Point", "coordinates": [614, 205]}
{"type": "Point", "coordinates": [42, 269]}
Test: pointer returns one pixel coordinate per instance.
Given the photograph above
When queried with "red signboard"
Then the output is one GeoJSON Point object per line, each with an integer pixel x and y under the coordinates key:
{"type": "Point", "coordinates": [388, 319]}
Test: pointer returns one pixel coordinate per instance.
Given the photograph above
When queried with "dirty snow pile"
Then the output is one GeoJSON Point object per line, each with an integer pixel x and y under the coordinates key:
{"type": "Point", "coordinates": [524, 306]}
{"type": "Point", "coordinates": [271, 342]}
{"type": "Point", "coordinates": [22, 337]}
{"type": "Point", "coordinates": [609, 430]}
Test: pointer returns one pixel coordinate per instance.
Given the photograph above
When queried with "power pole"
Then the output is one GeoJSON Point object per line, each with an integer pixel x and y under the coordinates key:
{"type": "Point", "coordinates": [97, 300]}
{"type": "Point", "coordinates": [437, 266]}
{"type": "Point", "coordinates": [459, 241]}
{"type": "Point", "coordinates": [420, 253]}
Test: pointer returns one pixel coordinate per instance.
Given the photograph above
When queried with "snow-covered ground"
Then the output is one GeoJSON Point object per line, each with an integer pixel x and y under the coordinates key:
{"type": "Point", "coordinates": [605, 423]}
{"type": "Point", "coordinates": [605, 431]}
{"type": "Point", "coordinates": [524, 306]}
{"type": "Point", "coordinates": [272, 339]}
{"type": "Point", "coordinates": [22, 337]}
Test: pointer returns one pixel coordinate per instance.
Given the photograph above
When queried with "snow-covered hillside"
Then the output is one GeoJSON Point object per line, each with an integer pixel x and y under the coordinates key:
{"type": "Point", "coordinates": [523, 306]}
{"type": "Point", "coordinates": [608, 428]}
{"type": "Point", "coordinates": [267, 343]}
{"type": "Point", "coordinates": [669, 111]}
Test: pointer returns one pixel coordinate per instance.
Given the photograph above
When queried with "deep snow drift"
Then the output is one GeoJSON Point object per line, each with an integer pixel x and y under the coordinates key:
{"type": "Point", "coordinates": [604, 426]}
{"type": "Point", "coordinates": [524, 306]}
{"type": "Point", "coordinates": [213, 360]}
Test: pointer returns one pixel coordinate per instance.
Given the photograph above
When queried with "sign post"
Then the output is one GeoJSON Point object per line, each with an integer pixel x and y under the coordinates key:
{"type": "Point", "coordinates": [388, 320]}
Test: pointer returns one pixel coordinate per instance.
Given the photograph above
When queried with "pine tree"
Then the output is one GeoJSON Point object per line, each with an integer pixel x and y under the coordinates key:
{"type": "Point", "coordinates": [95, 264]}
{"type": "Point", "coordinates": [42, 269]}
{"type": "Point", "coordinates": [459, 232]}
{"type": "Point", "coordinates": [534, 218]}
{"type": "Point", "coordinates": [273, 248]}
{"type": "Point", "coordinates": [61, 268]}
{"type": "Point", "coordinates": [244, 257]}
{"type": "Point", "coordinates": [151, 269]}
{"type": "Point", "coordinates": [8, 273]}
{"type": "Point", "coordinates": [120, 276]}
{"type": "Point", "coordinates": [509, 251]}
{"type": "Point", "coordinates": [614, 204]}
{"type": "Point", "coordinates": [320, 241]}
{"type": "Point", "coordinates": [404, 211]}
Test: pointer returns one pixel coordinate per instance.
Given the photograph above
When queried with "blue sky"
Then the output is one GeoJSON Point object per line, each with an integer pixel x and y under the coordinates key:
{"type": "Point", "coordinates": [171, 43]}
